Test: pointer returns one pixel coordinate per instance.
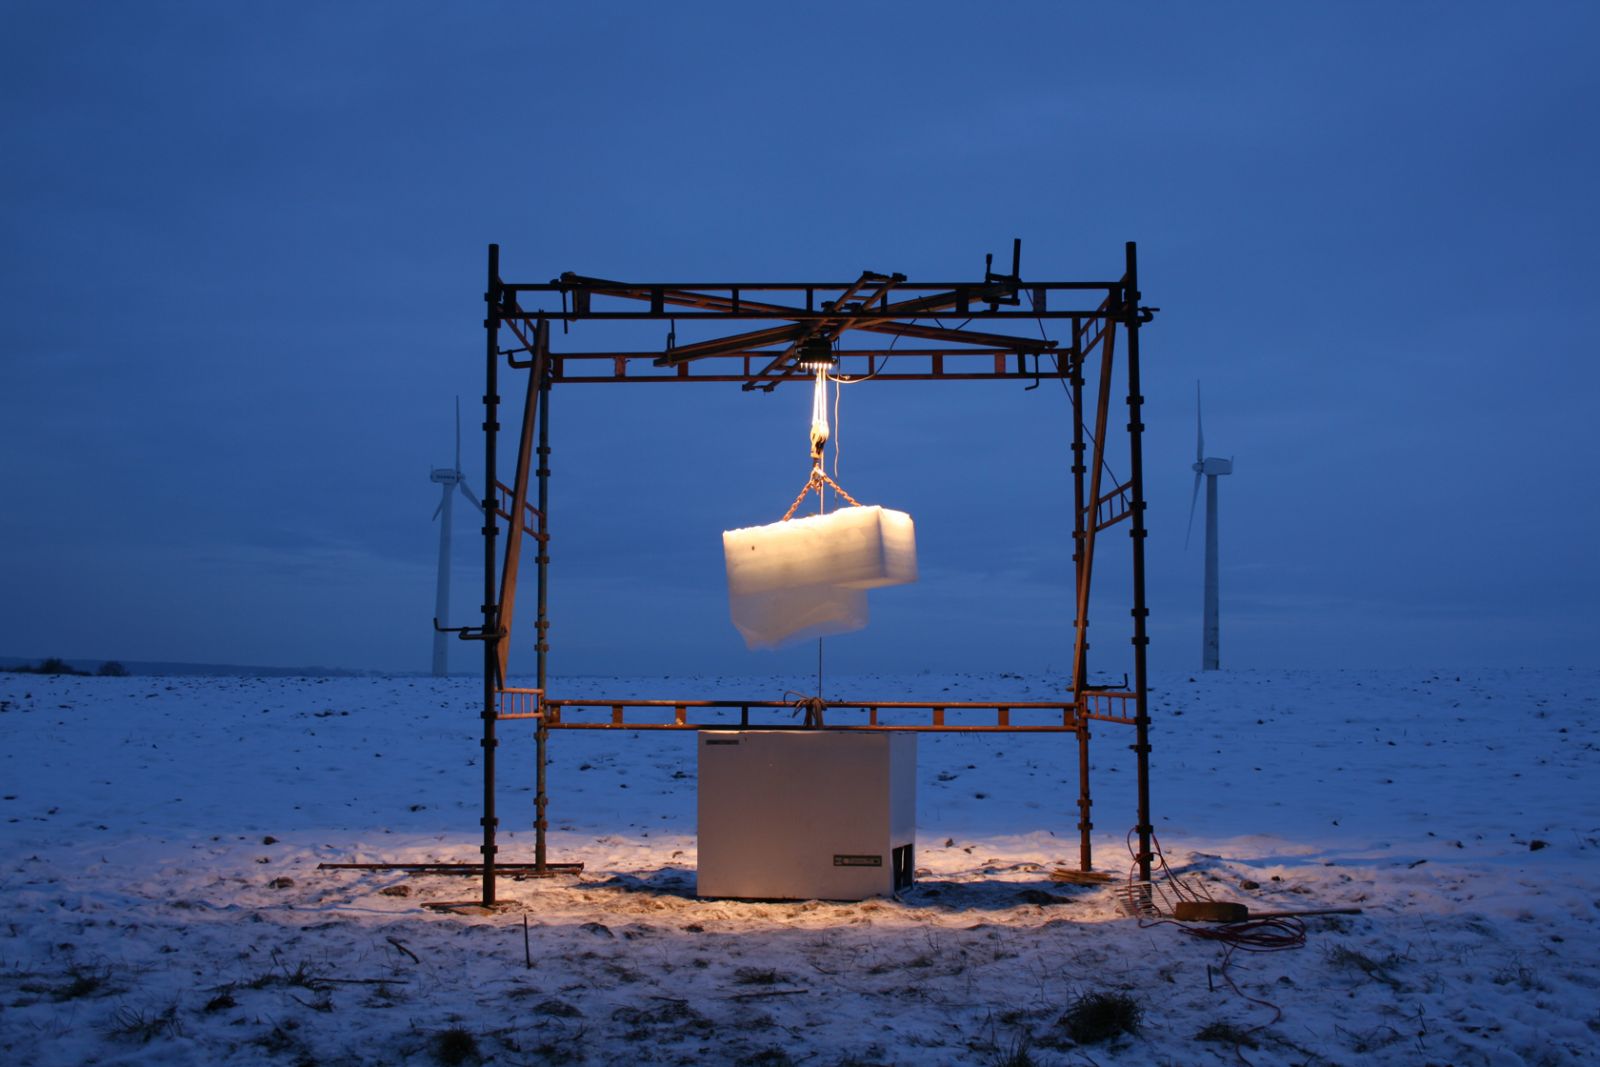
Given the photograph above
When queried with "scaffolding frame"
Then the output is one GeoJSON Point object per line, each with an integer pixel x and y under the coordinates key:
{"type": "Point", "coordinates": [792, 318]}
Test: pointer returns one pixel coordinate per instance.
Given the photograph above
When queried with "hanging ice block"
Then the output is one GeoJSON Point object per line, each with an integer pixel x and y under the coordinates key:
{"type": "Point", "coordinates": [781, 617]}
{"type": "Point", "coordinates": [858, 548]}
{"type": "Point", "coordinates": [793, 581]}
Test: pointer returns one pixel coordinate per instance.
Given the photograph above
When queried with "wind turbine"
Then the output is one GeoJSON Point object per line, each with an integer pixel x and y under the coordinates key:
{"type": "Point", "coordinates": [1210, 469]}
{"type": "Point", "coordinates": [450, 479]}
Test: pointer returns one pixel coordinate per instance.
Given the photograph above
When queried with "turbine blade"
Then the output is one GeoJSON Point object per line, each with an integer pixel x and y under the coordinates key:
{"type": "Point", "coordinates": [462, 485]}
{"type": "Point", "coordinates": [458, 432]}
{"type": "Point", "coordinates": [438, 509]}
{"type": "Point", "coordinates": [1193, 499]}
{"type": "Point", "coordinates": [1199, 427]}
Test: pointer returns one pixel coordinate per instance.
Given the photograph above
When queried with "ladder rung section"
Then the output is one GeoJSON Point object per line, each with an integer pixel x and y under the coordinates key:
{"type": "Point", "coordinates": [970, 716]}
{"type": "Point", "coordinates": [515, 703]}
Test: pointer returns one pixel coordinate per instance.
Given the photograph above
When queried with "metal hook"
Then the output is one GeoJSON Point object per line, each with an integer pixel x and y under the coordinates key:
{"type": "Point", "coordinates": [1106, 688]}
{"type": "Point", "coordinates": [540, 346]}
{"type": "Point", "coordinates": [468, 633]}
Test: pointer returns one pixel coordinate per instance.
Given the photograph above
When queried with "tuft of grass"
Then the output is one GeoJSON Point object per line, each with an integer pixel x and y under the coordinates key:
{"type": "Point", "coordinates": [83, 982]}
{"type": "Point", "coordinates": [1520, 976]}
{"type": "Point", "coordinates": [1379, 1037]}
{"type": "Point", "coordinates": [454, 1047]}
{"type": "Point", "coordinates": [772, 1056]}
{"type": "Point", "coordinates": [558, 1045]}
{"type": "Point", "coordinates": [757, 976]}
{"type": "Point", "coordinates": [221, 1002]}
{"type": "Point", "coordinates": [279, 1038]}
{"type": "Point", "coordinates": [1019, 1053]}
{"type": "Point", "coordinates": [144, 1027]}
{"type": "Point", "coordinates": [675, 1017]}
{"type": "Point", "coordinates": [384, 996]}
{"type": "Point", "coordinates": [1225, 1033]}
{"type": "Point", "coordinates": [301, 976]}
{"type": "Point", "coordinates": [323, 1002]}
{"type": "Point", "coordinates": [920, 961]}
{"type": "Point", "coordinates": [1097, 1017]}
{"type": "Point", "coordinates": [1346, 958]}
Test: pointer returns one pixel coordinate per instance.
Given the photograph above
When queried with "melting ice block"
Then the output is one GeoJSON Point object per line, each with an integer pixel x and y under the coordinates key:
{"type": "Point", "coordinates": [792, 581]}
{"type": "Point", "coordinates": [858, 548]}
{"type": "Point", "coordinates": [782, 617]}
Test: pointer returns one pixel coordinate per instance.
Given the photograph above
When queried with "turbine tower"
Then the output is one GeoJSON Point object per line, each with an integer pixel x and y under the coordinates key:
{"type": "Point", "coordinates": [451, 479]}
{"type": "Point", "coordinates": [1210, 469]}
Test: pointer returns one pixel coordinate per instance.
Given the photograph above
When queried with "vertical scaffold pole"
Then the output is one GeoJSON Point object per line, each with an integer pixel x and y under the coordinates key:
{"type": "Point", "coordinates": [541, 737]}
{"type": "Point", "coordinates": [1080, 664]}
{"type": "Point", "coordinates": [1137, 532]}
{"type": "Point", "coordinates": [1078, 470]}
{"type": "Point", "coordinates": [1085, 801]}
{"type": "Point", "coordinates": [491, 640]}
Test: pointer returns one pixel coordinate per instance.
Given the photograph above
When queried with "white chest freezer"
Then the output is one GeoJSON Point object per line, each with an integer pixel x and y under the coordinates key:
{"type": "Point", "coordinates": [806, 814]}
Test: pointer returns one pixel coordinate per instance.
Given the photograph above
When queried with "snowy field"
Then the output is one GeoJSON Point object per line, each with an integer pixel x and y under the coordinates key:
{"type": "Point", "coordinates": [161, 902]}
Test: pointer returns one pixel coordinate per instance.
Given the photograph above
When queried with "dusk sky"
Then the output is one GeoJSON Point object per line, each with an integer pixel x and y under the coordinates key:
{"type": "Point", "coordinates": [243, 251]}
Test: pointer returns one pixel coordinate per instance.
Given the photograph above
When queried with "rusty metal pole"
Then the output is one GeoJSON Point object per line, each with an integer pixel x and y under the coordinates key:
{"type": "Point", "coordinates": [541, 737]}
{"type": "Point", "coordinates": [1097, 467]}
{"type": "Point", "coordinates": [1078, 470]}
{"type": "Point", "coordinates": [1079, 666]}
{"type": "Point", "coordinates": [1141, 640]}
{"type": "Point", "coordinates": [491, 651]}
{"type": "Point", "coordinates": [1085, 848]}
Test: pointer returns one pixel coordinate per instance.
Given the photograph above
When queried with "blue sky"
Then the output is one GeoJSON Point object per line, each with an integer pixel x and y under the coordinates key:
{"type": "Point", "coordinates": [244, 250]}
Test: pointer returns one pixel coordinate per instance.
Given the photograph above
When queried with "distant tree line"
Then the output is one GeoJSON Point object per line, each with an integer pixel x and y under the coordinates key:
{"type": "Point", "coordinates": [55, 665]}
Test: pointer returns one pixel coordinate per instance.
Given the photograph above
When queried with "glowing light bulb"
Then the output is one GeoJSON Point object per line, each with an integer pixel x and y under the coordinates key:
{"type": "Point", "coordinates": [819, 413]}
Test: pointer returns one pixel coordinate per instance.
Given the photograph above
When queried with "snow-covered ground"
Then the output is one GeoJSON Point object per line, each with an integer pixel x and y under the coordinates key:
{"type": "Point", "coordinates": [161, 902]}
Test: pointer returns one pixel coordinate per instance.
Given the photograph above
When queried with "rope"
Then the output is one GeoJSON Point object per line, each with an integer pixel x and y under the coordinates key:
{"type": "Point", "coordinates": [818, 479]}
{"type": "Point", "coordinates": [819, 414]}
{"type": "Point", "coordinates": [812, 706]}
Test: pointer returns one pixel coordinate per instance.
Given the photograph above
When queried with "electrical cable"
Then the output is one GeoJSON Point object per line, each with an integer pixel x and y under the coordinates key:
{"type": "Point", "coordinates": [888, 354]}
{"type": "Point", "coordinates": [1275, 933]}
{"type": "Point", "coordinates": [1056, 359]}
{"type": "Point", "coordinates": [839, 382]}
{"type": "Point", "coordinates": [1272, 933]}
{"type": "Point", "coordinates": [838, 390]}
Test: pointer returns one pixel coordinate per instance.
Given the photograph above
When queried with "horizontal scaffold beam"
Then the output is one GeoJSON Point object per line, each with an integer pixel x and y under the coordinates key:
{"type": "Point", "coordinates": [1008, 716]}
{"type": "Point", "coordinates": [935, 317]}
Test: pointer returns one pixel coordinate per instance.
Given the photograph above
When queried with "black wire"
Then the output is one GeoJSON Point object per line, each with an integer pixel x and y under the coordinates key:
{"type": "Point", "coordinates": [1056, 359]}
{"type": "Point", "coordinates": [888, 354]}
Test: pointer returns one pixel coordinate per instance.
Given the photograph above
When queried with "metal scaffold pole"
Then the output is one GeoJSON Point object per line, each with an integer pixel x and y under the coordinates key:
{"type": "Point", "coordinates": [1081, 659]}
{"type": "Point", "coordinates": [1137, 533]}
{"type": "Point", "coordinates": [542, 623]}
{"type": "Point", "coordinates": [491, 640]}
